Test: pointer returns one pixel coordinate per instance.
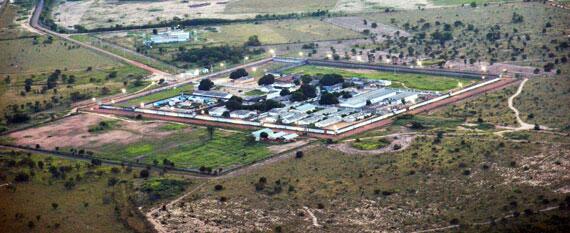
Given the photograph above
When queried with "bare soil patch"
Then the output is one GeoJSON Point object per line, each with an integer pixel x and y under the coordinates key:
{"type": "Point", "coordinates": [73, 132]}
{"type": "Point", "coordinates": [404, 141]}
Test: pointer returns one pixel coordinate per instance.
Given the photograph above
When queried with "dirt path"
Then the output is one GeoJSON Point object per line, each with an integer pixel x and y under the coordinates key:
{"type": "Point", "coordinates": [150, 215]}
{"type": "Point", "coordinates": [522, 125]}
{"type": "Point", "coordinates": [315, 220]}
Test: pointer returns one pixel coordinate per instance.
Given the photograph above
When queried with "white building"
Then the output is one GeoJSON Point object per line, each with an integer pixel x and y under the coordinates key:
{"type": "Point", "coordinates": [257, 134]}
{"type": "Point", "coordinates": [169, 37]}
{"type": "Point", "coordinates": [217, 111]}
{"type": "Point", "coordinates": [326, 111]}
{"type": "Point", "coordinates": [273, 95]}
{"type": "Point", "coordinates": [306, 108]}
{"type": "Point", "coordinates": [291, 119]}
{"type": "Point", "coordinates": [408, 97]}
{"type": "Point", "coordinates": [373, 97]}
{"type": "Point", "coordinates": [311, 120]}
{"type": "Point", "coordinates": [242, 114]}
{"type": "Point", "coordinates": [328, 122]}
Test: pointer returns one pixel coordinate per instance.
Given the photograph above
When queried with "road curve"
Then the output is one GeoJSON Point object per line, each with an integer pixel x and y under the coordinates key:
{"type": "Point", "coordinates": [34, 22]}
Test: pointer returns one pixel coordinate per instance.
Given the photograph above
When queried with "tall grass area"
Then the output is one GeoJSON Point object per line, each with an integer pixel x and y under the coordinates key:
{"type": "Point", "coordinates": [74, 196]}
{"type": "Point", "coordinates": [406, 80]}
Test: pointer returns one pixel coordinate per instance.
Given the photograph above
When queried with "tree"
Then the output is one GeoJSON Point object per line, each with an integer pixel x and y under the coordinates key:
{"type": "Point", "coordinates": [263, 135]}
{"type": "Point", "coordinates": [241, 72]}
{"type": "Point", "coordinates": [28, 84]}
{"type": "Point", "coordinates": [234, 103]}
{"type": "Point", "coordinates": [205, 85]}
{"type": "Point", "coordinates": [253, 41]}
{"type": "Point", "coordinates": [21, 177]}
{"type": "Point", "coordinates": [473, 4]}
{"type": "Point", "coordinates": [144, 173]}
{"type": "Point", "coordinates": [298, 96]}
{"type": "Point", "coordinates": [211, 132]}
{"type": "Point", "coordinates": [331, 79]}
{"type": "Point", "coordinates": [517, 18]}
{"type": "Point", "coordinates": [284, 92]}
{"type": "Point", "coordinates": [374, 25]}
{"type": "Point", "coordinates": [154, 31]}
{"type": "Point", "coordinates": [267, 79]}
{"type": "Point", "coordinates": [54, 205]}
{"type": "Point", "coordinates": [299, 154]}
{"type": "Point", "coordinates": [69, 184]}
{"type": "Point", "coordinates": [308, 90]}
{"type": "Point", "coordinates": [328, 99]}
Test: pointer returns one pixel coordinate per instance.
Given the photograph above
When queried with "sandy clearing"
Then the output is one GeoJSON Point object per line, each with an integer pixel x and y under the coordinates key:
{"type": "Point", "coordinates": [404, 140]}
{"type": "Point", "coordinates": [97, 13]}
{"type": "Point", "coordinates": [73, 132]}
{"type": "Point", "coordinates": [276, 149]}
{"type": "Point", "coordinates": [353, 6]}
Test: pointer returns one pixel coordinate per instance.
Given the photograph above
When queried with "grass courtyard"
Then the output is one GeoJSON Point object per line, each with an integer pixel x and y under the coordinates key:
{"type": "Point", "coordinates": [187, 89]}
{"type": "Point", "coordinates": [405, 80]}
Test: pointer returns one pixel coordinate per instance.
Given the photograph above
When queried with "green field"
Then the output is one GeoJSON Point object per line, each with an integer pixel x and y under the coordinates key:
{"type": "Point", "coordinates": [76, 196]}
{"type": "Point", "coordinates": [157, 96]}
{"type": "Point", "coordinates": [413, 81]}
{"type": "Point", "coordinates": [190, 148]}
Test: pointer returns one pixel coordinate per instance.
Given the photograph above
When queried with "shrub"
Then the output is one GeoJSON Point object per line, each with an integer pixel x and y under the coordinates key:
{"type": "Point", "coordinates": [218, 187]}
{"type": "Point", "coordinates": [144, 174]}
{"type": "Point", "coordinates": [21, 177]}
{"type": "Point", "coordinates": [299, 154]}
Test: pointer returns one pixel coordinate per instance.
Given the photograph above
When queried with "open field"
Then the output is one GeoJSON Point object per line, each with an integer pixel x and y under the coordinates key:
{"type": "Point", "coordinates": [145, 142]}
{"type": "Point", "coordinates": [76, 196]}
{"type": "Point", "coordinates": [277, 32]}
{"type": "Point", "coordinates": [278, 7]}
{"type": "Point", "coordinates": [409, 190]}
{"type": "Point", "coordinates": [45, 55]}
{"type": "Point", "coordinates": [98, 13]}
{"type": "Point", "coordinates": [525, 44]}
{"type": "Point", "coordinates": [413, 81]}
